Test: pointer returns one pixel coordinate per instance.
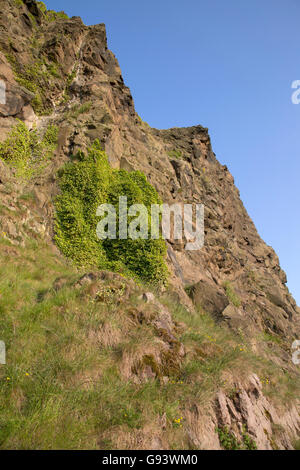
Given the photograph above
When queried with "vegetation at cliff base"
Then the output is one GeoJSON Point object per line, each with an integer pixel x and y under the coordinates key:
{"type": "Point", "coordinates": [65, 385]}
{"type": "Point", "coordinates": [85, 184]}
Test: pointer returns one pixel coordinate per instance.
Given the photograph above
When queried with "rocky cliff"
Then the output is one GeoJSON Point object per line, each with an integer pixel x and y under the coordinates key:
{"type": "Point", "coordinates": [57, 71]}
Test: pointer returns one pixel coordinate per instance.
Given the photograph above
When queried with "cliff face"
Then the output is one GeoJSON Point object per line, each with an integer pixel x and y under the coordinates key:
{"type": "Point", "coordinates": [59, 71]}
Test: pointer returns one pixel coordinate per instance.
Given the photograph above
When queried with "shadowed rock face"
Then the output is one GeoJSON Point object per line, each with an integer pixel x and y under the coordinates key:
{"type": "Point", "coordinates": [78, 69]}
{"type": "Point", "coordinates": [209, 298]}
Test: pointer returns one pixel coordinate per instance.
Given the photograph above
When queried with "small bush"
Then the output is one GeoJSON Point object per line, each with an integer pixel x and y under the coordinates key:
{"type": "Point", "coordinates": [229, 442]}
{"type": "Point", "coordinates": [88, 183]}
{"type": "Point", "coordinates": [26, 151]}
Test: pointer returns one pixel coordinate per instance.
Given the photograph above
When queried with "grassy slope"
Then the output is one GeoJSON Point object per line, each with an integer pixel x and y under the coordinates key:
{"type": "Point", "coordinates": [63, 385]}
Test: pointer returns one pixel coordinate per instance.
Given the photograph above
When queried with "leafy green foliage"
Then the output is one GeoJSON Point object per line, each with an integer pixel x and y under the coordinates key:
{"type": "Point", "coordinates": [88, 183]}
{"type": "Point", "coordinates": [229, 442]}
{"type": "Point", "coordinates": [248, 442]}
{"type": "Point", "coordinates": [26, 151]}
{"type": "Point", "coordinates": [63, 386]}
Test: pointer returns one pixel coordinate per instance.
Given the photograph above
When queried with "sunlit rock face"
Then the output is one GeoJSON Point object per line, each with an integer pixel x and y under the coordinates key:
{"type": "Point", "coordinates": [61, 72]}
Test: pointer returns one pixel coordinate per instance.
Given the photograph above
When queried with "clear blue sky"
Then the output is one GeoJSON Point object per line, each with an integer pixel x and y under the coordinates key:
{"type": "Point", "coordinates": [228, 65]}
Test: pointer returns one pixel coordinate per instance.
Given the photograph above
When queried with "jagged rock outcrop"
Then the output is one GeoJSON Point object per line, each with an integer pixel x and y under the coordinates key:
{"type": "Point", "coordinates": [75, 82]}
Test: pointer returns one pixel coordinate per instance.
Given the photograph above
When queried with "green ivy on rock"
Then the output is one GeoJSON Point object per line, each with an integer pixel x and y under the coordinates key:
{"type": "Point", "coordinates": [87, 182]}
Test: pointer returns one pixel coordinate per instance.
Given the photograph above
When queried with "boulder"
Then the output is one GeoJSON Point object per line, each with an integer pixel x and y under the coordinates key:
{"type": "Point", "coordinates": [209, 297]}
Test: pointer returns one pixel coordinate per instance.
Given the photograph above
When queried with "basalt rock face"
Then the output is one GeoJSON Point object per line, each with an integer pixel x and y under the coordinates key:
{"type": "Point", "coordinates": [78, 86]}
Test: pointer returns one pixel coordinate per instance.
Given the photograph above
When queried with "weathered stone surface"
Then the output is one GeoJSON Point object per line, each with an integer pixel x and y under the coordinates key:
{"type": "Point", "coordinates": [209, 297]}
{"type": "Point", "coordinates": [17, 98]}
{"type": "Point", "coordinates": [249, 406]}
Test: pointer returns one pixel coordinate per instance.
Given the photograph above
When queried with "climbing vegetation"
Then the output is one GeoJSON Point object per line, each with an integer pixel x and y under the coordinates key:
{"type": "Point", "coordinates": [27, 151]}
{"type": "Point", "coordinates": [86, 183]}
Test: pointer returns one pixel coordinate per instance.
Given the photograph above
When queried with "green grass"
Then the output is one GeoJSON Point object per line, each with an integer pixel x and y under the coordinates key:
{"type": "Point", "coordinates": [217, 350]}
{"type": "Point", "coordinates": [213, 350]}
{"type": "Point", "coordinates": [231, 294]}
{"type": "Point", "coordinates": [78, 109]}
{"type": "Point", "coordinates": [51, 15]}
{"type": "Point", "coordinates": [74, 359]}
{"type": "Point", "coordinates": [64, 386]}
{"type": "Point", "coordinates": [59, 389]}
{"type": "Point", "coordinates": [272, 338]}
{"type": "Point", "coordinates": [175, 154]}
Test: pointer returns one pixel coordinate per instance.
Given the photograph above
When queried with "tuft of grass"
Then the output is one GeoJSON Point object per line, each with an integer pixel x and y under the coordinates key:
{"type": "Point", "coordinates": [78, 109]}
{"type": "Point", "coordinates": [175, 154]}
{"type": "Point", "coordinates": [271, 338]}
{"type": "Point", "coordinates": [144, 123]}
{"type": "Point", "coordinates": [231, 294]}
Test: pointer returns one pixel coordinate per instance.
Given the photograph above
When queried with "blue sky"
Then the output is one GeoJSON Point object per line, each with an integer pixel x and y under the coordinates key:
{"type": "Point", "coordinates": [228, 65]}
